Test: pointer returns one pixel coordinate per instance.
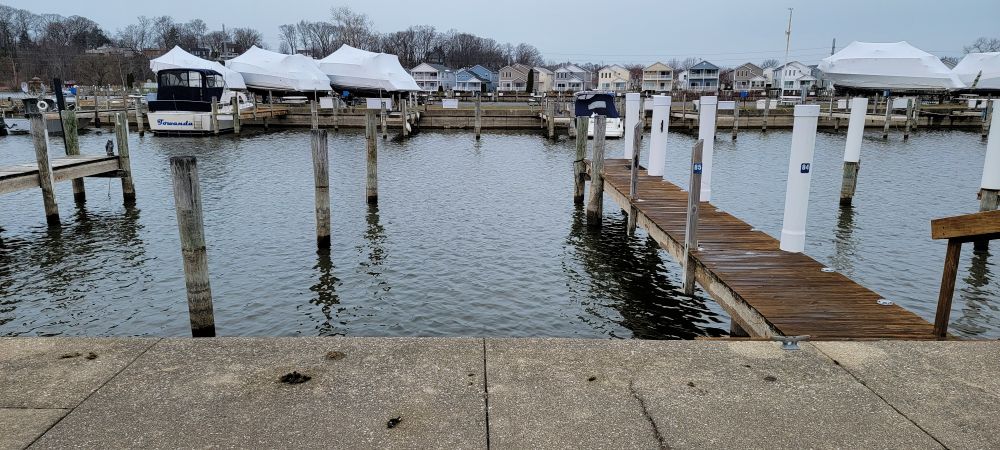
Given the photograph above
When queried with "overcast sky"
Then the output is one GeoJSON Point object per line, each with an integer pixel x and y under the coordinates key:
{"type": "Point", "coordinates": [724, 32]}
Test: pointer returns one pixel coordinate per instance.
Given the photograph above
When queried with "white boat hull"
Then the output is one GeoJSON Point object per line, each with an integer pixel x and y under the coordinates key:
{"type": "Point", "coordinates": [186, 122]}
{"type": "Point", "coordinates": [615, 128]}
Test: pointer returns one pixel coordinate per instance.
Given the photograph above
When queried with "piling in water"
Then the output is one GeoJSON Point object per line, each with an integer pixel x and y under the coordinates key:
{"type": "Point", "coordinates": [706, 132]}
{"type": "Point", "coordinates": [595, 205]}
{"type": "Point", "coordinates": [124, 160]}
{"type": "Point", "coordinates": [658, 135]}
{"type": "Point", "coordinates": [579, 165]}
{"type": "Point", "coordinates": [989, 191]}
{"type": "Point", "coordinates": [852, 150]}
{"type": "Point", "coordinates": [40, 139]}
{"type": "Point", "coordinates": [693, 209]}
{"type": "Point", "coordinates": [72, 138]}
{"type": "Point", "coordinates": [793, 230]}
{"type": "Point", "coordinates": [321, 178]}
{"type": "Point", "coordinates": [371, 139]}
{"type": "Point", "coordinates": [190, 225]}
{"type": "Point", "coordinates": [633, 103]}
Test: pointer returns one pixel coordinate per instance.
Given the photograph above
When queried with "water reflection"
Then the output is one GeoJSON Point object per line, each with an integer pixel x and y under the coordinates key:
{"type": "Point", "coordinates": [630, 273]}
{"type": "Point", "coordinates": [325, 290]}
{"type": "Point", "coordinates": [374, 246]}
{"type": "Point", "coordinates": [977, 302]}
{"type": "Point", "coordinates": [846, 245]}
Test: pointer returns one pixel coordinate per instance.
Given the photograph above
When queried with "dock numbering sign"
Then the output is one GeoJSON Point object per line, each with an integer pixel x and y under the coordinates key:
{"type": "Point", "coordinates": [449, 103]}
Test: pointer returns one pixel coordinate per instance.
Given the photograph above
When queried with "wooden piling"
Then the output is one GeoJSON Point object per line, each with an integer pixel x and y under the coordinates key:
{"type": "Point", "coordinates": [736, 118]}
{"type": "Point", "coordinates": [989, 200]}
{"type": "Point", "coordinates": [404, 117]}
{"type": "Point", "coordinates": [888, 117]}
{"type": "Point", "coordinates": [236, 114]}
{"type": "Point", "coordinates": [72, 138]}
{"type": "Point", "coordinates": [371, 138]}
{"type": "Point", "coordinates": [479, 116]}
{"type": "Point", "coordinates": [767, 109]}
{"type": "Point", "coordinates": [40, 138]}
{"type": "Point", "coordinates": [215, 115]}
{"type": "Point", "coordinates": [384, 121]}
{"type": "Point", "coordinates": [916, 113]}
{"type": "Point", "coordinates": [336, 113]}
{"type": "Point", "coordinates": [909, 119]}
{"type": "Point", "coordinates": [321, 177]}
{"type": "Point", "coordinates": [849, 183]}
{"type": "Point", "coordinates": [693, 209]}
{"type": "Point", "coordinates": [550, 118]}
{"type": "Point", "coordinates": [124, 161]}
{"type": "Point", "coordinates": [187, 202]}
{"type": "Point", "coordinates": [97, 108]}
{"type": "Point", "coordinates": [987, 118]}
{"type": "Point", "coordinates": [579, 165]}
{"type": "Point", "coordinates": [595, 206]}
{"type": "Point", "coordinates": [313, 115]}
{"type": "Point", "coordinates": [633, 187]}
{"type": "Point", "coordinates": [947, 291]}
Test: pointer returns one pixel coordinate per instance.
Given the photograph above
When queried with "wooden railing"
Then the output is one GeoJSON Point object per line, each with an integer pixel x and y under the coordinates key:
{"type": "Point", "coordinates": [983, 226]}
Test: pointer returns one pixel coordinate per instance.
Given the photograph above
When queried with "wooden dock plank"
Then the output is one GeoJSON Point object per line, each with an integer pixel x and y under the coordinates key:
{"type": "Point", "coordinates": [766, 290]}
{"type": "Point", "coordinates": [25, 176]}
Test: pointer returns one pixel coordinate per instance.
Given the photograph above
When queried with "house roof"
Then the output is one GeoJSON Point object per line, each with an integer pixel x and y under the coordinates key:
{"type": "Point", "coordinates": [705, 65]}
{"type": "Point", "coordinates": [469, 72]}
{"type": "Point", "coordinates": [658, 66]}
{"type": "Point", "coordinates": [435, 66]}
{"type": "Point", "coordinates": [543, 70]}
{"type": "Point", "coordinates": [570, 68]}
{"type": "Point", "coordinates": [752, 67]}
{"type": "Point", "coordinates": [614, 66]}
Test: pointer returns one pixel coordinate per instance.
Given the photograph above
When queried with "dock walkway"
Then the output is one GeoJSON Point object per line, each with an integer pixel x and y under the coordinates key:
{"type": "Point", "coordinates": [767, 291]}
{"type": "Point", "coordinates": [65, 168]}
{"type": "Point", "coordinates": [495, 393]}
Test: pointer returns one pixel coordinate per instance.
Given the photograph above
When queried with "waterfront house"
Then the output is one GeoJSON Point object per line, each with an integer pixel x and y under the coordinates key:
{"type": "Point", "coordinates": [793, 77]}
{"type": "Point", "coordinates": [490, 76]}
{"type": "Point", "coordinates": [571, 78]}
{"type": "Point", "coordinates": [657, 77]}
{"type": "Point", "coordinates": [749, 77]}
{"type": "Point", "coordinates": [468, 81]}
{"type": "Point", "coordinates": [514, 78]}
{"type": "Point", "coordinates": [543, 79]}
{"type": "Point", "coordinates": [613, 78]}
{"type": "Point", "coordinates": [433, 77]}
{"type": "Point", "coordinates": [703, 77]}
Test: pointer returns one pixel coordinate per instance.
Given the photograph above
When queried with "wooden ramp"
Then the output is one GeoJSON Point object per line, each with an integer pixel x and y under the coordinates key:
{"type": "Point", "coordinates": [262, 111]}
{"type": "Point", "coordinates": [767, 292]}
{"type": "Point", "coordinates": [65, 168]}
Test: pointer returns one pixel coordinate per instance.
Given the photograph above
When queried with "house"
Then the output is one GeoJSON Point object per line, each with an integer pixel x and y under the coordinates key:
{"type": "Point", "coordinates": [433, 77]}
{"type": "Point", "coordinates": [793, 77]}
{"type": "Point", "coordinates": [821, 80]}
{"type": "Point", "coordinates": [543, 79]}
{"type": "Point", "coordinates": [468, 81]}
{"type": "Point", "coordinates": [490, 76]}
{"type": "Point", "coordinates": [657, 77]}
{"type": "Point", "coordinates": [613, 78]}
{"type": "Point", "coordinates": [681, 80]}
{"type": "Point", "coordinates": [514, 78]}
{"type": "Point", "coordinates": [572, 78]}
{"type": "Point", "coordinates": [749, 77]}
{"type": "Point", "coordinates": [703, 77]}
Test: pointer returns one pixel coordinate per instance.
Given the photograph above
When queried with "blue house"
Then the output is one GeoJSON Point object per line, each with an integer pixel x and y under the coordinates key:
{"type": "Point", "coordinates": [703, 76]}
{"type": "Point", "coordinates": [491, 77]}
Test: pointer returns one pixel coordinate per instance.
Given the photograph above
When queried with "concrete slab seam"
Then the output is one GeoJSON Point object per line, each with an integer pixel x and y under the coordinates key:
{"type": "Point", "coordinates": [649, 418]}
{"type": "Point", "coordinates": [105, 383]}
{"type": "Point", "coordinates": [884, 400]}
{"type": "Point", "coordinates": [486, 395]}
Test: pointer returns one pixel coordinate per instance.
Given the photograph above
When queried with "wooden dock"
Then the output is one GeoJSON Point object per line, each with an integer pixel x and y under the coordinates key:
{"type": "Point", "coordinates": [264, 111]}
{"type": "Point", "coordinates": [766, 291]}
{"type": "Point", "coordinates": [64, 168]}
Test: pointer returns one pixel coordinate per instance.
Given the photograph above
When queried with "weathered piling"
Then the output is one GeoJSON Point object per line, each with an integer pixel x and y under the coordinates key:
{"type": "Point", "coordinates": [706, 132]}
{"type": "Point", "coordinates": [633, 187]}
{"type": "Point", "coordinates": [580, 165]}
{"type": "Point", "coordinates": [404, 116]}
{"type": "Point", "coordinates": [888, 117]}
{"type": "Point", "coordinates": [313, 115]}
{"type": "Point", "coordinates": [989, 191]}
{"type": "Point", "coordinates": [321, 177]}
{"type": "Point", "coordinates": [187, 202]}
{"type": "Point", "coordinates": [384, 119]}
{"type": "Point", "coordinates": [988, 114]}
{"type": "Point", "coordinates": [124, 160]}
{"type": "Point", "coordinates": [909, 119]}
{"type": "Point", "coordinates": [479, 115]}
{"type": "Point", "coordinates": [736, 118]}
{"type": "Point", "coordinates": [550, 118]}
{"type": "Point", "coordinates": [852, 150]}
{"type": "Point", "coordinates": [371, 138]}
{"type": "Point", "coordinates": [793, 230]}
{"type": "Point", "coordinates": [658, 135]}
{"type": "Point", "coordinates": [916, 113]}
{"type": "Point", "coordinates": [693, 209]}
{"type": "Point", "coordinates": [40, 138]}
{"type": "Point", "coordinates": [336, 113]}
{"type": "Point", "coordinates": [140, 123]}
{"type": "Point", "coordinates": [215, 115]}
{"type": "Point", "coordinates": [633, 107]}
{"type": "Point", "coordinates": [72, 138]}
{"type": "Point", "coordinates": [595, 206]}
{"type": "Point", "coordinates": [767, 109]}
{"type": "Point", "coordinates": [236, 114]}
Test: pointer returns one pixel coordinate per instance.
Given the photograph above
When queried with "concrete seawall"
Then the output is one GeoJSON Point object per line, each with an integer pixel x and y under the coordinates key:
{"type": "Point", "coordinates": [505, 393]}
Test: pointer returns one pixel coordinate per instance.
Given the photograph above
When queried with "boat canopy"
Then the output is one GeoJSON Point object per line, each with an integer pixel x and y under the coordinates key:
{"type": "Point", "coordinates": [352, 68]}
{"type": "Point", "coordinates": [890, 65]}
{"type": "Point", "coordinates": [601, 103]}
{"type": "Point", "coordinates": [979, 71]}
{"type": "Point", "coordinates": [187, 90]}
{"type": "Point", "coordinates": [264, 69]}
{"type": "Point", "coordinates": [177, 58]}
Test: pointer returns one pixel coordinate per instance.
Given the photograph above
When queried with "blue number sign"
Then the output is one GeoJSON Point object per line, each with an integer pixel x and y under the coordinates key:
{"type": "Point", "coordinates": [804, 168]}
{"type": "Point", "coordinates": [697, 167]}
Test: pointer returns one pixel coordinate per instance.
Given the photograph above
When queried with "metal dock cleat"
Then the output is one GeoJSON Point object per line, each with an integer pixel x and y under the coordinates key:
{"type": "Point", "coordinates": [790, 342]}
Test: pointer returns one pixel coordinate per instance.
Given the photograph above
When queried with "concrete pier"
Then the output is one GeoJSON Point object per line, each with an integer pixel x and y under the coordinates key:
{"type": "Point", "coordinates": [505, 393]}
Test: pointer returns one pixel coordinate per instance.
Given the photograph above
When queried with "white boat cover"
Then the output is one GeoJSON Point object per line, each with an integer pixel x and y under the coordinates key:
{"type": "Point", "coordinates": [349, 67]}
{"type": "Point", "coordinates": [890, 65]}
{"type": "Point", "coordinates": [986, 66]}
{"type": "Point", "coordinates": [177, 58]}
{"type": "Point", "coordinates": [264, 69]}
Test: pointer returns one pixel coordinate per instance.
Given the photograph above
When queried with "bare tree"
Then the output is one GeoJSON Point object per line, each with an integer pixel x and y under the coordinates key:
{"type": "Point", "coordinates": [216, 41]}
{"type": "Point", "coordinates": [244, 38]}
{"type": "Point", "coordinates": [136, 36]}
{"type": "Point", "coordinates": [984, 45]}
{"type": "Point", "coordinates": [769, 63]}
{"type": "Point", "coordinates": [354, 29]}
{"type": "Point", "coordinates": [950, 61]}
{"type": "Point", "coordinates": [317, 37]}
{"type": "Point", "coordinates": [289, 38]}
{"type": "Point", "coordinates": [527, 54]}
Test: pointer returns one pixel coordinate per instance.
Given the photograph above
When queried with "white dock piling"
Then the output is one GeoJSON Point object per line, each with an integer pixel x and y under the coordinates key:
{"type": "Point", "coordinates": [633, 106]}
{"type": "Point", "coordinates": [989, 187]}
{"type": "Point", "coordinates": [658, 135]}
{"type": "Point", "coordinates": [793, 230]}
{"type": "Point", "coordinates": [708, 105]}
{"type": "Point", "coordinates": [852, 149]}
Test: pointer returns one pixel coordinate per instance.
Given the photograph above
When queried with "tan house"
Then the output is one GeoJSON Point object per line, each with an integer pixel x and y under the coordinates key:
{"type": "Point", "coordinates": [543, 79]}
{"type": "Point", "coordinates": [658, 77]}
{"type": "Point", "coordinates": [514, 78]}
{"type": "Point", "coordinates": [613, 78]}
{"type": "Point", "coordinates": [748, 77]}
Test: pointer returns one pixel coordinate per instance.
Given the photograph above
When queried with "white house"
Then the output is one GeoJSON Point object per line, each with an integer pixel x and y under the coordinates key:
{"type": "Point", "coordinates": [658, 77]}
{"type": "Point", "coordinates": [543, 79]}
{"type": "Point", "coordinates": [793, 77]}
{"type": "Point", "coordinates": [433, 77]}
{"type": "Point", "coordinates": [571, 78]}
{"type": "Point", "coordinates": [613, 78]}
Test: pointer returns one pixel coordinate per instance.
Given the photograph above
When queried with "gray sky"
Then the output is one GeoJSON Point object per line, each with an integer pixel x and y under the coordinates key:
{"type": "Point", "coordinates": [631, 31]}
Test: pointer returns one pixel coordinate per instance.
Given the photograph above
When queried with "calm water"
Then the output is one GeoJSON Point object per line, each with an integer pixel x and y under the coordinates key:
{"type": "Point", "coordinates": [468, 239]}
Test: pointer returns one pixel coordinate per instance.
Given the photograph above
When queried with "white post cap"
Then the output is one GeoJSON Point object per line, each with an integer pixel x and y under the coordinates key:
{"type": "Point", "coordinates": [806, 110]}
{"type": "Point", "coordinates": [661, 100]}
{"type": "Point", "coordinates": [709, 100]}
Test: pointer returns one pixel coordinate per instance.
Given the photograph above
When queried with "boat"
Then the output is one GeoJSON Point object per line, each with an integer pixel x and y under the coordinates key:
{"type": "Point", "coordinates": [358, 70]}
{"type": "Point", "coordinates": [594, 103]}
{"type": "Point", "coordinates": [183, 103]}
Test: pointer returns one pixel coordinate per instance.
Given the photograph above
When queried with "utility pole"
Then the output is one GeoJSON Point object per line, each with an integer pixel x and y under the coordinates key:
{"type": "Point", "coordinates": [788, 43]}
{"type": "Point", "coordinates": [833, 48]}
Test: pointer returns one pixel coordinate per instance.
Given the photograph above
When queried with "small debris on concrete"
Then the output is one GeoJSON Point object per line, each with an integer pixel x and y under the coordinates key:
{"type": "Point", "coordinates": [472, 374]}
{"type": "Point", "coordinates": [91, 355]}
{"type": "Point", "coordinates": [770, 378]}
{"type": "Point", "coordinates": [691, 383]}
{"type": "Point", "coordinates": [592, 379]}
{"type": "Point", "coordinates": [747, 366]}
{"type": "Point", "coordinates": [70, 355]}
{"type": "Point", "coordinates": [393, 422]}
{"type": "Point", "coordinates": [335, 355]}
{"type": "Point", "coordinates": [294, 378]}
